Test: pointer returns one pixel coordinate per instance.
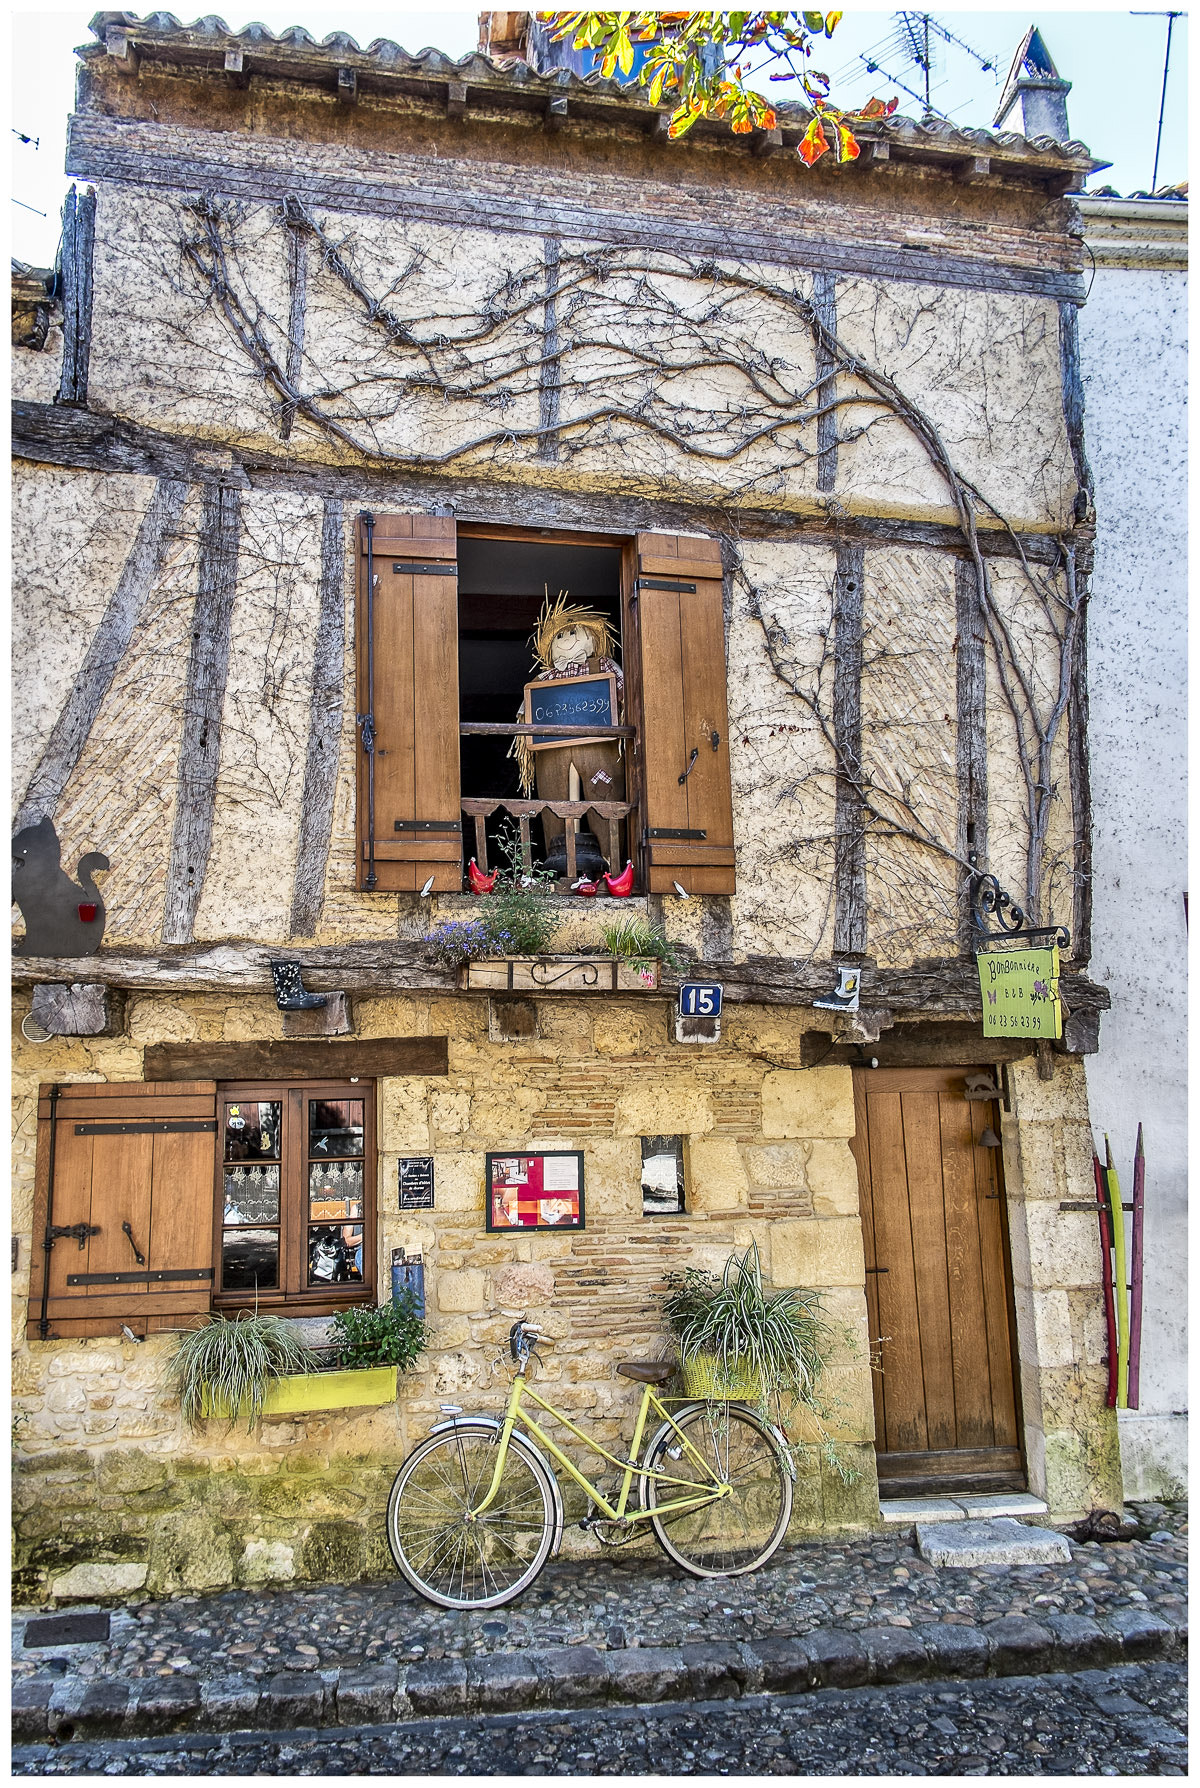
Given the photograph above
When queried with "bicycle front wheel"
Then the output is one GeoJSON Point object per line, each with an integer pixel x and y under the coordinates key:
{"type": "Point", "coordinates": [450, 1555]}
{"type": "Point", "coordinates": [735, 1532]}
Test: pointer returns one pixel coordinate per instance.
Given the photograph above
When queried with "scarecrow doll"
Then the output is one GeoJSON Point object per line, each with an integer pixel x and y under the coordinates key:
{"type": "Point", "coordinates": [572, 641]}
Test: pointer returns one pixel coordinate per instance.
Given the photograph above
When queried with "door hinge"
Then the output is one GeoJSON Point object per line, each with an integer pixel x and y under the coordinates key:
{"type": "Point", "coordinates": [428, 825]}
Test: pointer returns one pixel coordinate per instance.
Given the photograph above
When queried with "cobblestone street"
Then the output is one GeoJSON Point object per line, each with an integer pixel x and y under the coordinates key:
{"type": "Point", "coordinates": [621, 1601]}
{"type": "Point", "coordinates": [1127, 1721]}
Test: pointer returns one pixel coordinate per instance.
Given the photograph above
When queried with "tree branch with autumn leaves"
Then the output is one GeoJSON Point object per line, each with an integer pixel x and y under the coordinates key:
{"type": "Point", "coordinates": [701, 61]}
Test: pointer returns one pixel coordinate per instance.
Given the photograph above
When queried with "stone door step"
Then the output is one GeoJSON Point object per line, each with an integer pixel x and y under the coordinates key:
{"type": "Point", "coordinates": [999, 1541]}
{"type": "Point", "coordinates": [903, 1511]}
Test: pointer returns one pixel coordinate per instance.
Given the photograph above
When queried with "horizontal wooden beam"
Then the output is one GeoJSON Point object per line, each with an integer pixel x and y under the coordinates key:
{"type": "Point", "coordinates": [242, 967]}
{"type": "Point", "coordinates": [938, 990]}
{"type": "Point", "coordinates": [370, 1058]}
{"type": "Point", "coordinates": [49, 434]}
{"type": "Point", "coordinates": [437, 190]}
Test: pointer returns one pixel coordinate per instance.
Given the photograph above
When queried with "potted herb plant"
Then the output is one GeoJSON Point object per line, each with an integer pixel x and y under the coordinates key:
{"type": "Point", "coordinates": [739, 1340]}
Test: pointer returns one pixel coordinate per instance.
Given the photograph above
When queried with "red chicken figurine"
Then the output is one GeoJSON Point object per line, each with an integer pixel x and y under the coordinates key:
{"type": "Point", "coordinates": [478, 882]}
{"type": "Point", "coordinates": [620, 886]}
{"type": "Point", "coordinates": [582, 886]}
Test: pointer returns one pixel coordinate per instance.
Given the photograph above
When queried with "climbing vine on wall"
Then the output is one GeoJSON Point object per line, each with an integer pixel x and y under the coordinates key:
{"type": "Point", "coordinates": [678, 368]}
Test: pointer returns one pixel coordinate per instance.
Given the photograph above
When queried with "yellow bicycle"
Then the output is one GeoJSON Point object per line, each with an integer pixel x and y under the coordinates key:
{"type": "Point", "coordinates": [476, 1508]}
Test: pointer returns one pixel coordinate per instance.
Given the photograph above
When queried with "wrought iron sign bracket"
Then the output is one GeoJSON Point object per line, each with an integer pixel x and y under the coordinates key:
{"type": "Point", "coordinates": [991, 902]}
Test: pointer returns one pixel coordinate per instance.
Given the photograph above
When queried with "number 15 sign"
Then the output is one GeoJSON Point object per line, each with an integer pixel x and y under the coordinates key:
{"type": "Point", "coordinates": [699, 999]}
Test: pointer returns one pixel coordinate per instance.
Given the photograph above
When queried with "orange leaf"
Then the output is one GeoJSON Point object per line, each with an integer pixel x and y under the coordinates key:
{"type": "Point", "coordinates": [813, 144]}
{"type": "Point", "coordinates": [741, 126]}
{"type": "Point", "coordinates": [848, 146]}
{"type": "Point", "coordinates": [874, 108]}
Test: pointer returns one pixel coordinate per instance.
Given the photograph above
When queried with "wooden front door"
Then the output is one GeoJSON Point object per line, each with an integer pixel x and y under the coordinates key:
{"type": "Point", "coordinates": [939, 1297]}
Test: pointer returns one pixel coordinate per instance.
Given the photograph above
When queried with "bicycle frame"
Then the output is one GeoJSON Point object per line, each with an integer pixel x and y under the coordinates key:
{"type": "Point", "coordinates": [514, 1413]}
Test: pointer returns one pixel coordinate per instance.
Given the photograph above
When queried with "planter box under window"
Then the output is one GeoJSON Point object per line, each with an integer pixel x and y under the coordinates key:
{"type": "Point", "coordinates": [556, 974]}
{"type": "Point", "coordinates": [360, 1388]}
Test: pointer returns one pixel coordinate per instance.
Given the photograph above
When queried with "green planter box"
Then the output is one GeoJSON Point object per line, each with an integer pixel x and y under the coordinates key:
{"type": "Point", "coordinates": [360, 1388]}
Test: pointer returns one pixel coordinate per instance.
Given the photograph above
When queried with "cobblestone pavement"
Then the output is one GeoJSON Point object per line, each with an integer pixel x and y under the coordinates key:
{"type": "Point", "coordinates": [1125, 1721]}
{"type": "Point", "coordinates": [619, 1601]}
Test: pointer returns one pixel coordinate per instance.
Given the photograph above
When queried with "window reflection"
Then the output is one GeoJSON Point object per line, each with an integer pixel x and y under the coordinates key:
{"type": "Point", "coordinates": [250, 1260]}
{"type": "Point", "coordinates": [335, 1254]}
{"type": "Point", "coordinates": [335, 1128]}
{"type": "Point", "coordinates": [252, 1129]}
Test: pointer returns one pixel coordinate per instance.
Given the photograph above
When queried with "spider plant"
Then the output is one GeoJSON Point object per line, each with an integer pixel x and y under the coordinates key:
{"type": "Point", "coordinates": [228, 1365]}
{"type": "Point", "coordinates": [779, 1338]}
{"type": "Point", "coordinates": [641, 944]}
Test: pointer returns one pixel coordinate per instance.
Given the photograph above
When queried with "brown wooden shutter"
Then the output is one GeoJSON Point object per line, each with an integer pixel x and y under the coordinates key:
{"type": "Point", "coordinates": [688, 823]}
{"type": "Point", "coordinates": [135, 1153]}
{"type": "Point", "coordinates": [418, 820]}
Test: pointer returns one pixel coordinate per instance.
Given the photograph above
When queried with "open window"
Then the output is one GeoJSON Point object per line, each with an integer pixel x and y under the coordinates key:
{"type": "Point", "coordinates": [566, 691]}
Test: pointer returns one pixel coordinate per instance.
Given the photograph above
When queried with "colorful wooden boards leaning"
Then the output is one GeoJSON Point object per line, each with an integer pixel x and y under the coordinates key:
{"type": "Point", "coordinates": [1122, 1281]}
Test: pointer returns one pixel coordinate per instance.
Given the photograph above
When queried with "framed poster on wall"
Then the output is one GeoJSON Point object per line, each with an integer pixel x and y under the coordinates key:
{"type": "Point", "coordinates": [542, 1190]}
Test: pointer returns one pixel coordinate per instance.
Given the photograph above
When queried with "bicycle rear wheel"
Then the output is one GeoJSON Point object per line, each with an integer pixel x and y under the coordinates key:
{"type": "Point", "coordinates": [455, 1561]}
{"type": "Point", "coordinates": [733, 1533]}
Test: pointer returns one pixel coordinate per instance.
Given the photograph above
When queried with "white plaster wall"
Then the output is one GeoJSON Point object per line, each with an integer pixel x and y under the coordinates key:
{"type": "Point", "coordinates": [1133, 351]}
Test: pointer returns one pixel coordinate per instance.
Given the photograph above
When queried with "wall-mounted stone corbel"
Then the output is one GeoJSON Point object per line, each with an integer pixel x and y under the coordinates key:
{"type": "Point", "coordinates": [78, 1009]}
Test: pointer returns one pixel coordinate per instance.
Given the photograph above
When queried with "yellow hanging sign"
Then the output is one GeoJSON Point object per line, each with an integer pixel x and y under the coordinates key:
{"type": "Point", "coordinates": [1020, 993]}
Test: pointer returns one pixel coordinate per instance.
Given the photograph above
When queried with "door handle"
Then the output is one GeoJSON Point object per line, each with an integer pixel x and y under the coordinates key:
{"type": "Point", "coordinates": [878, 1269]}
{"type": "Point", "coordinates": [691, 764]}
{"type": "Point", "coordinates": [137, 1253]}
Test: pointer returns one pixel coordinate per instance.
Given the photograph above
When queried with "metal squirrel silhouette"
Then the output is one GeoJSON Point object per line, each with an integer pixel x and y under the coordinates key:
{"type": "Point", "coordinates": [62, 917]}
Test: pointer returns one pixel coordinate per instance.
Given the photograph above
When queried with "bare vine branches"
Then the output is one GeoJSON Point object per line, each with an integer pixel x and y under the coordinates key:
{"type": "Point", "coordinates": [660, 362]}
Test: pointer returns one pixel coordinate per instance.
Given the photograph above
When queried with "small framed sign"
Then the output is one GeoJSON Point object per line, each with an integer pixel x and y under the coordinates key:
{"type": "Point", "coordinates": [570, 701]}
{"type": "Point", "coordinates": [535, 1191]}
{"type": "Point", "coordinates": [416, 1183]}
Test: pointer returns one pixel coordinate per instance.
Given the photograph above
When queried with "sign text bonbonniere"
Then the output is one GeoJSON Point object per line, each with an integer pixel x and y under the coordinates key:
{"type": "Point", "coordinates": [1020, 994]}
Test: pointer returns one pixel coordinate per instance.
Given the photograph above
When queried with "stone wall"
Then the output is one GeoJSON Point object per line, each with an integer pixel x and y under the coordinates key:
{"type": "Point", "coordinates": [108, 1477]}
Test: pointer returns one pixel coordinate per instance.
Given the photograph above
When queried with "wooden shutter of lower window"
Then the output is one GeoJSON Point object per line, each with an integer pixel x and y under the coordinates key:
{"type": "Point", "coordinates": [414, 701]}
{"type": "Point", "coordinates": [124, 1154]}
{"type": "Point", "coordinates": [687, 803]}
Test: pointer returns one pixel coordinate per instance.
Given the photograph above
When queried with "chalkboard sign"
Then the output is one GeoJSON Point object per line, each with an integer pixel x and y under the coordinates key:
{"type": "Point", "coordinates": [416, 1183]}
{"type": "Point", "coordinates": [570, 701]}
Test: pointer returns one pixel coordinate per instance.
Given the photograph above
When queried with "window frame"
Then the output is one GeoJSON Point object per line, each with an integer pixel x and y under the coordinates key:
{"type": "Point", "coordinates": [631, 658]}
{"type": "Point", "coordinates": [292, 1298]}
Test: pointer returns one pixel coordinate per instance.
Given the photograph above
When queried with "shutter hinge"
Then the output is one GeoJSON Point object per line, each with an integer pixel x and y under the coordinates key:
{"type": "Point", "coordinates": [665, 583]}
{"type": "Point", "coordinates": [158, 1127]}
{"type": "Point", "coordinates": [655, 832]}
{"type": "Point", "coordinates": [409, 568]}
{"type": "Point", "coordinates": [191, 1274]}
{"type": "Point", "coordinates": [428, 825]}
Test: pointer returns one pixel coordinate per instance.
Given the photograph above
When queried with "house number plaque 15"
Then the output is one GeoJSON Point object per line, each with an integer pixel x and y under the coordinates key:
{"type": "Point", "coordinates": [698, 1017]}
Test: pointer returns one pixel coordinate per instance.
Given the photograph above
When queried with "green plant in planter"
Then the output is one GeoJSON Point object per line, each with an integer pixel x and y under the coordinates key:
{"type": "Point", "coordinates": [641, 944]}
{"type": "Point", "coordinates": [392, 1334]}
{"type": "Point", "coordinates": [231, 1362]}
{"type": "Point", "coordinates": [739, 1339]}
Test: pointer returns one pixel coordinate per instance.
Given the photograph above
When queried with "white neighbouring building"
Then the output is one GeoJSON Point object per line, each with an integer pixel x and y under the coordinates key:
{"type": "Point", "coordinates": [1133, 355]}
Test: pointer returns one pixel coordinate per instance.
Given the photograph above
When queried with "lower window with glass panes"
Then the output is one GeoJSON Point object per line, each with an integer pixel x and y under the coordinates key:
{"type": "Point", "coordinates": [295, 1195]}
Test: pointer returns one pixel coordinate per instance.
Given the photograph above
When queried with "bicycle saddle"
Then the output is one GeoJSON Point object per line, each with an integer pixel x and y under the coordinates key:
{"type": "Point", "coordinates": [646, 1371]}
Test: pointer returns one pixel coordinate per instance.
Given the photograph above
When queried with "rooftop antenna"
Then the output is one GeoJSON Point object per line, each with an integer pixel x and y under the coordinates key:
{"type": "Point", "coordinates": [915, 46]}
{"type": "Point", "coordinates": [1170, 17]}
